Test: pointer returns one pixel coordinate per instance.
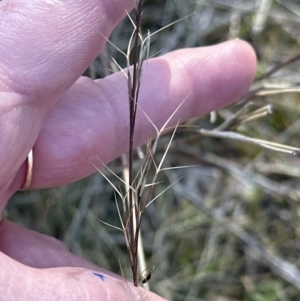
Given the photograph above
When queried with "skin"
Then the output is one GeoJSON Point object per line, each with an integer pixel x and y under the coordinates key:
{"type": "Point", "coordinates": [69, 121]}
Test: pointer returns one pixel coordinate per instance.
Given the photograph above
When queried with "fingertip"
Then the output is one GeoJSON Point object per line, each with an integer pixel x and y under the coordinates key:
{"type": "Point", "coordinates": [246, 59]}
{"type": "Point", "coordinates": [210, 77]}
{"type": "Point", "coordinates": [225, 74]}
{"type": "Point", "coordinates": [240, 68]}
{"type": "Point", "coordinates": [243, 68]}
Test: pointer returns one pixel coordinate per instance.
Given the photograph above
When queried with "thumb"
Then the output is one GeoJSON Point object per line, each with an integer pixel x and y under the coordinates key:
{"type": "Point", "coordinates": [38, 267]}
{"type": "Point", "coordinates": [20, 282]}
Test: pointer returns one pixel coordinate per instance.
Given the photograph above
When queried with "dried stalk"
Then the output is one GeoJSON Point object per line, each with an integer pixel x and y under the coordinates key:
{"type": "Point", "coordinates": [138, 191]}
{"type": "Point", "coordinates": [133, 221]}
{"type": "Point", "coordinates": [294, 151]}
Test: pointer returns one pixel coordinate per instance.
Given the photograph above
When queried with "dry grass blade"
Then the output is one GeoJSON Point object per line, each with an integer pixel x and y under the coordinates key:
{"type": "Point", "coordinates": [166, 151]}
{"type": "Point", "coordinates": [294, 151]}
{"type": "Point", "coordinates": [162, 192]}
{"type": "Point", "coordinates": [110, 182]}
{"type": "Point", "coordinates": [280, 66]}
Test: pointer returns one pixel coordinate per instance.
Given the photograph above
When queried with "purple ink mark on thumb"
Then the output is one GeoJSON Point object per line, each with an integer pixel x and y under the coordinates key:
{"type": "Point", "coordinates": [102, 277]}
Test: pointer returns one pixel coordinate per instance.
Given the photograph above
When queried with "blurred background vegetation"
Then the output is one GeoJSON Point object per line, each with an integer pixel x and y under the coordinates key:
{"type": "Point", "coordinates": [230, 228]}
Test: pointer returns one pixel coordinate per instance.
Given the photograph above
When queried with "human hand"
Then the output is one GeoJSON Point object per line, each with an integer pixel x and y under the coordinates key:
{"type": "Point", "coordinates": [45, 46]}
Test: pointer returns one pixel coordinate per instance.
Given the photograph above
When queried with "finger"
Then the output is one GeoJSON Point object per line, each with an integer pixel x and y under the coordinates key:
{"type": "Point", "coordinates": [19, 282]}
{"type": "Point", "coordinates": [37, 250]}
{"type": "Point", "coordinates": [92, 118]}
{"type": "Point", "coordinates": [45, 46]}
{"type": "Point", "coordinates": [37, 267]}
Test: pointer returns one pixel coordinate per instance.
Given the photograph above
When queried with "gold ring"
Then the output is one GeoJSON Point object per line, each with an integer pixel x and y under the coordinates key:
{"type": "Point", "coordinates": [29, 171]}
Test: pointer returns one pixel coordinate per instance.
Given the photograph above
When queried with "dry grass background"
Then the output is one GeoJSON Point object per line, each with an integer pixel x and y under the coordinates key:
{"type": "Point", "coordinates": [230, 228]}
